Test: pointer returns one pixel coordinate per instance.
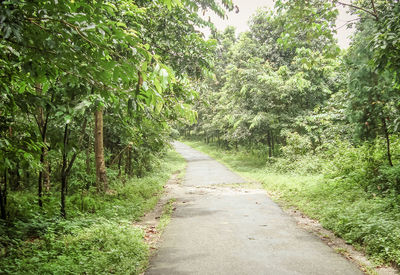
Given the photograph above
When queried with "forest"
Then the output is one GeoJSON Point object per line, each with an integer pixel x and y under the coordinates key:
{"type": "Point", "coordinates": [93, 92]}
{"type": "Point", "coordinates": [316, 124]}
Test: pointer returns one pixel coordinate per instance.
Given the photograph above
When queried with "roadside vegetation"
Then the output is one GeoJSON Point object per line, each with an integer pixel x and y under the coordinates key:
{"type": "Point", "coordinates": [316, 124]}
{"type": "Point", "coordinates": [98, 238]}
{"type": "Point", "coordinates": [367, 220]}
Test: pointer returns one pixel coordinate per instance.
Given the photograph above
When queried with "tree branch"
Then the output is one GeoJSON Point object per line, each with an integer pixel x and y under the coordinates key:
{"type": "Point", "coordinates": [115, 158]}
{"type": "Point", "coordinates": [373, 7]}
{"type": "Point", "coordinates": [358, 8]}
{"type": "Point", "coordinates": [73, 158]}
{"type": "Point", "coordinates": [348, 22]}
{"type": "Point", "coordinates": [76, 28]}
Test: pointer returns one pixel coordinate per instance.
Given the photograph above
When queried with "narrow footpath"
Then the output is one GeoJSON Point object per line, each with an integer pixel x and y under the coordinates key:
{"type": "Point", "coordinates": [218, 228]}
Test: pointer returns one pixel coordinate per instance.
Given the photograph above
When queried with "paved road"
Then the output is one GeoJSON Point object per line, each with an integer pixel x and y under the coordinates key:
{"type": "Point", "coordinates": [217, 229]}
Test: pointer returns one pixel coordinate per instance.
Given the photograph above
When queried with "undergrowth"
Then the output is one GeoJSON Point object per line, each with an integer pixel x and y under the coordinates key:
{"type": "Point", "coordinates": [362, 217]}
{"type": "Point", "coordinates": [98, 237]}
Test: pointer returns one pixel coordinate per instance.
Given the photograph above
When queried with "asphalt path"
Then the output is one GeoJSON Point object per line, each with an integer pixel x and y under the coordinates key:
{"type": "Point", "coordinates": [218, 228]}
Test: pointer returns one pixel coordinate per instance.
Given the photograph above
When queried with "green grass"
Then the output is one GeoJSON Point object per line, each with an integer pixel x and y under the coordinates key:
{"type": "Point", "coordinates": [166, 215]}
{"type": "Point", "coordinates": [368, 221]}
{"type": "Point", "coordinates": [99, 236]}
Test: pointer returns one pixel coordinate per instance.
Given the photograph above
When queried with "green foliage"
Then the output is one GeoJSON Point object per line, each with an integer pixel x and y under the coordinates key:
{"type": "Point", "coordinates": [62, 61]}
{"type": "Point", "coordinates": [98, 237]}
{"type": "Point", "coordinates": [264, 90]}
{"type": "Point", "coordinates": [103, 248]}
{"type": "Point", "coordinates": [385, 40]}
{"type": "Point", "coordinates": [366, 220]}
{"type": "Point", "coordinates": [296, 145]}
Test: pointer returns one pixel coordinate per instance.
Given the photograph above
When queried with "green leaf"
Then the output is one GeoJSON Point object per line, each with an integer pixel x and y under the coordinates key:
{"type": "Point", "coordinates": [45, 86]}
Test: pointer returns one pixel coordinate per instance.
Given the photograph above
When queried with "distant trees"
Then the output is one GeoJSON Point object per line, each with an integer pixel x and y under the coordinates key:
{"type": "Point", "coordinates": [285, 81]}
{"type": "Point", "coordinates": [266, 85]}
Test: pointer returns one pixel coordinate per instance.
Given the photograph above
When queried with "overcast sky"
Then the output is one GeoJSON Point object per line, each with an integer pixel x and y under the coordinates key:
{"type": "Point", "coordinates": [248, 7]}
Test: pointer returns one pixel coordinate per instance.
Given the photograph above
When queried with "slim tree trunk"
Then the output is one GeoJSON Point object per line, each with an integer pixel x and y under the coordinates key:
{"type": "Point", "coordinates": [46, 170]}
{"type": "Point", "coordinates": [273, 143]}
{"type": "Point", "coordinates": [386, 132]}
{"type": "Point", "coordinates": [27, 178]}
{"type": "Point", "coordinates": [119, 165]}
{"type": "Point", "coordinates": [88, 168]}
{"type": "Point", "coordinates": [101, 175]}
{"type": "Point", "coordinates": [269, 144]}
{"type": "Point", "coordinates": [67, 165]}
{"type": "Point", "coordinates": [128, 161]}
{"type": "Point", "coordinates": [64, 173]}
{"type": "Point", "coordinates": [40, 183]}
{"type": "Point", "coordinates": [44, 174]}
{"type": "Point", "coordinates": [3, 197]}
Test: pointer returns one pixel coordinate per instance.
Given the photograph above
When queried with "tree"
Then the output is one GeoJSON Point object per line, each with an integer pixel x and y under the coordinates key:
{"type": "Point", "coordinates": [62, 60]}
{"type": "Point", "coordinates": [264, 86]}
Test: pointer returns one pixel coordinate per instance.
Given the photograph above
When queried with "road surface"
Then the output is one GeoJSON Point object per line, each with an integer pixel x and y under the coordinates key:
{"type": "Point", "coordinates": [219, 229]}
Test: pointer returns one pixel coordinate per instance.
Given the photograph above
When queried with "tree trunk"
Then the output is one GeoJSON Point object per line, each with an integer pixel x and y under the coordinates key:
{"type": "Point", "coordinates": [67, 165]}
{"type": "Point", "coordinates": [27, 178]}
{"type": "Point", "coordinates": [88, 168]}
{"type": "Point", "coordinates": [46, 170]}
{"type": "Point", "coordinates": [128, 161]}
{"type": "Point", "coordinates": [269, 144]}
{"type": "Point", "coordinates": [101, 175]}
{"type": "Point", "coordinates": [64, 173]}
{"type": "Point", "coordinates": [273, 143]}
{"type": "Point", "coordinates": [40, 182]}
{"type": "Point", "coordinates": [3, 197]}
{"type": "Point", "coordinates": [119, 165]}
{"type": "Point", "coordinates": [44, 174]}
{"type": "Point", "coordinates": [17, 177]}
{"type": "Point", "coordinates": [386, 132]}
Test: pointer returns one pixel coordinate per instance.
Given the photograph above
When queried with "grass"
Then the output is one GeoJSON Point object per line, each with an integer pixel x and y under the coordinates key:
{"type": "Point", "coordinates": [99, 236]}
{"type": "Point", "coordinates": [368, 221]}
{"type": "Point", "coordinates": [166, 215]}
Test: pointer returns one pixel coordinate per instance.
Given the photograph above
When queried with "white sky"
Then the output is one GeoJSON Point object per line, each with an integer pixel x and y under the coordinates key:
{"type": "Point", "coordinates": [248, 7]}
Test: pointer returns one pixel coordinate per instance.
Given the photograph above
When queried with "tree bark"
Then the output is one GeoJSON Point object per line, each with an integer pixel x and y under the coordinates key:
{"type": "Point", "coordinates": [40, 183]}
{"type": "Point", "coordinates": [3, 197]}
{"type": "Point", "coordinates": [67, 165]}
{"type": "Point", "coordinates": [128, 161]}
{"type": "Point", "coordinates": [44, 174]}
{"type": "Point", "coordinates": [386, 132]}
{"type": "Point", "coordinates": [64, 173]}
{"type": "Point", "coordinates": [46, 170]}
{"type": "Point", "coordinates": [269, 145]}
{"type": "Point", "coordinates": [273, 143]}
{"type": "Point", "coordinates": [88, 168]}
{"type": "Point", "coordinates": [119, 165]}
{"type": "Point", "coordinates": [101, 175]}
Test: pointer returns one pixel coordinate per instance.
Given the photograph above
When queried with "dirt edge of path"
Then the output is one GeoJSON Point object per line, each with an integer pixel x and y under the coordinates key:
{"type": "Point", "coordinates": [153, 223]}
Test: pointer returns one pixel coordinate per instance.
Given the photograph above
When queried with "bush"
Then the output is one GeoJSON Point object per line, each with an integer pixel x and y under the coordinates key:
{"type": "Point", "coordinates": [104, 248]}
{"type": "Point", "coordinates": [98, 236]}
